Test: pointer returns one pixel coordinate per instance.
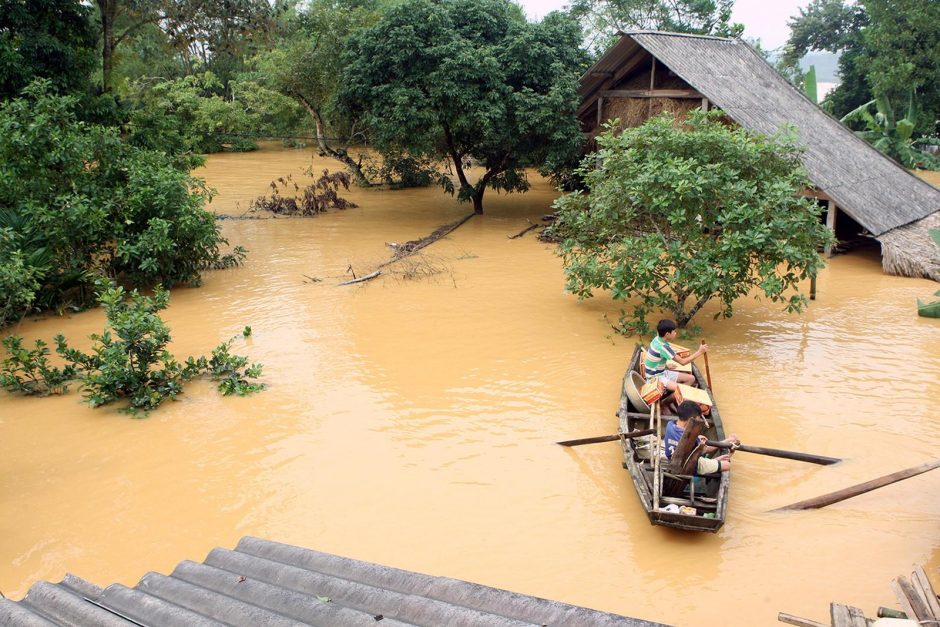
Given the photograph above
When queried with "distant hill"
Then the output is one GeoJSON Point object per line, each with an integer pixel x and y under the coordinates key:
{"type": "Point", "coordinates": [827, 66]}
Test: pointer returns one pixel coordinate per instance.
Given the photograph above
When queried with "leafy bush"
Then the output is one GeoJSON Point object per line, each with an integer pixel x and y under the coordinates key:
{"type": "Point", "coordinates": [679, 214]}
{"type": "Point", "coordinates": [191, 115]}
{"type": "Point", "coordinates": [28, 371]}
{"type": "Point", "coordinates": [128, 360]}
{"type": "Point", "coordinates": [78, 204]}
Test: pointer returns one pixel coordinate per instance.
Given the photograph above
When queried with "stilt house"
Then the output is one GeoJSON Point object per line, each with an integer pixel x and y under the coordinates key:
{"type": "Point", "coordinates": [866, 193]}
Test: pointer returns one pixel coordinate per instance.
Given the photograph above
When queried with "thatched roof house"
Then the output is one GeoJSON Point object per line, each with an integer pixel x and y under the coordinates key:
{"type": "Point", "coordinates": [648, 72]}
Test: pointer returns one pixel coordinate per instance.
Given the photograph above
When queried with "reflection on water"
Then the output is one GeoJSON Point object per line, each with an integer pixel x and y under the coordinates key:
{"type": "Point", "coordinates": [411, 423]}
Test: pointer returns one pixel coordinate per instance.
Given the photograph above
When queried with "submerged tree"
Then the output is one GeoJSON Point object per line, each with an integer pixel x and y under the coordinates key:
{"type": "Point", "coordinates": [680, 214]}
{"type": "Point", "coordinates": [307, 67]}
{"type": "Point", "coordinates": [469, 79]}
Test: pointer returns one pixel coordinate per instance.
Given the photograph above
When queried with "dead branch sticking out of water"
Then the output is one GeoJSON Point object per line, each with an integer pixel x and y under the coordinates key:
{"type": "Point", "coordinates": [525, 230]}
{"type": "Point", "coordinates": [411, 247]}
{"type": "Point", "coordinates": [362, 279]}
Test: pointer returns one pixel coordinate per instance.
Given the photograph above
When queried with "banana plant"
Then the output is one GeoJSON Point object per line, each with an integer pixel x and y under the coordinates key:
{"type": "Point", "coordinates": [893, 137]}
{"type": "Point", "coordinates": [930, 310]}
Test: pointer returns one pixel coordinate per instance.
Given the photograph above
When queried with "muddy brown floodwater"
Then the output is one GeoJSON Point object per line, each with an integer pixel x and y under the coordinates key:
{"type": "Point", "coordinates": [411, 422]}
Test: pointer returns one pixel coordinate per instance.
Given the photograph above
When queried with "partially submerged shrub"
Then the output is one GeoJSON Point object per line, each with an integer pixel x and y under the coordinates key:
{"type": "Point", "coordinates": [315, 198]}
{"type": "Point", "coordinates": [128, 360]}
{"type": "Point", "coordinates": [28, 371]}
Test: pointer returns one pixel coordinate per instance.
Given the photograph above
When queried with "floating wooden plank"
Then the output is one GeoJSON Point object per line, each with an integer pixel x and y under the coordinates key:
{"type": "Point", "coordinates": [902, 598]}
{"type": "Point", "coordinates": [847, 616]}
{"type": "Point", "coordinates": [918, 604]}
{"type": "Point", "coordinates": [922, 585]}
{"type": "Point", "coordinates": [790, 619]}
{"type": "Point", "coordinates": [868, 486]}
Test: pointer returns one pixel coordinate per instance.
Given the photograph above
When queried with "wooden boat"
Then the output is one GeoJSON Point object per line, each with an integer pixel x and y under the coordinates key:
{"type": "Point", "coordinates": [634, 413]}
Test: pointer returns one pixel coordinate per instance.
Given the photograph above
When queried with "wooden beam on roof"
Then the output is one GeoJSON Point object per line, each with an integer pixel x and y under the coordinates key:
{"type": "Point", "coordinates": [812, 192]}
{"type": "Point", "coordinates": [599, 73]}
{"type": "Point", "coordinates": [652, 93]}
{"type": "Point", "coordinates": [639, 55]}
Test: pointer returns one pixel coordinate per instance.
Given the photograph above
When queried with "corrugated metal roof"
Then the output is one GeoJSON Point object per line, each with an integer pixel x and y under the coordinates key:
{"type": "Point", "coordinates": [269, 583]}
{"type": "Point", "coordinates": [874, 190]}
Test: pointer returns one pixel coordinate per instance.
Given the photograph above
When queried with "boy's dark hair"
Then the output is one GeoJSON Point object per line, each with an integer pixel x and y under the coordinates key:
{"type": "Point", "coordinates": [688, 409]}
{"type": "Point", "coordinates": [665, 326]}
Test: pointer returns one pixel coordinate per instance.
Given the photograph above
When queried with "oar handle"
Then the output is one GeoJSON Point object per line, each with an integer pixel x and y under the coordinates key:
{"type": "Point", "coordinates": [775, 452]}
{"type": "Point", "coordinates": [608, 438]}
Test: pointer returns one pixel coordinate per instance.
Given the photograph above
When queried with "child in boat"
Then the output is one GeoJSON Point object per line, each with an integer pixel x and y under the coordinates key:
{"type": "Point", "coordinates": [660, 352]}
{"type": "Point", "coordinates": [674, 430]}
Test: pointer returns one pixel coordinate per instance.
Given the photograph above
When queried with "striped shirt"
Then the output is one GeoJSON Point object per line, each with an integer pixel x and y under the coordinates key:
{"type": "Point", "coordinates": [657, 355]}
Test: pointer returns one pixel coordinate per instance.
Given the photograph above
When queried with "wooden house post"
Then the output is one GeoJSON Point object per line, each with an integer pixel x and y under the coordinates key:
{"type": "Point", "coordinates": [704, 104]}
{"type": "Point", "coordinates": [649, 111]}
{"type": "Point", "coordinates": [831, 223]}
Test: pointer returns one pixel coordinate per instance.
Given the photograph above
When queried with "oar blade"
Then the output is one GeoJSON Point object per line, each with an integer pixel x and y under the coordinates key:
{"type": "Point", "coordinates": [776, 452]}
{"type": "Point", "coordinates": [607, 438]}
{"type": "Point", "coordinates": [595, 440]}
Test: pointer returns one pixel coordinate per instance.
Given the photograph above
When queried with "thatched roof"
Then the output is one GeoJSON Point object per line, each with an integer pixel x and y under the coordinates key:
{"type": "Point", "coordinates": [268, 583]}
{"type": "Point", "coordinates": [874, 190]}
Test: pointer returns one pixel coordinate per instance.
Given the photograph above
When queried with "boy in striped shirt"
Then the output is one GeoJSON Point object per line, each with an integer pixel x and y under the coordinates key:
{"type": "Point", "coordinates": [660, 352]}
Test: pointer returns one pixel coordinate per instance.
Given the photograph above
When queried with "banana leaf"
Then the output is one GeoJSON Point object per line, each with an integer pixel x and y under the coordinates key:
{"type": "Point", "coordinates": [928, 310]}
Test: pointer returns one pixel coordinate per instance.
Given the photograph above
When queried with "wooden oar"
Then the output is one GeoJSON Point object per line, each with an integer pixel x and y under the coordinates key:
{"type": "Point", "coordinates": [608, 438]}
{"type": "Point", "coordinates": [776, 452]}
{"type": "Point", "coordinates": [708, 373]}
{"type": "Point", "coordinates": [862, 488]}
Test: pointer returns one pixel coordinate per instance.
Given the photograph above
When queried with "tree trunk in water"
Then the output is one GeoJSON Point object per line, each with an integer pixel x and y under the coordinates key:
{"type": "Point", "coordinates": [339, 154]}
{"type": "Point", "coordinates": [478, 201]}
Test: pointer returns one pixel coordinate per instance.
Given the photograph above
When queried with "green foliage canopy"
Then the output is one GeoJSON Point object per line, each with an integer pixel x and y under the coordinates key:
{"type": "Point", "coordinates": [307, 66]}
{"type": "Point", "coordinates": [603, 19]}
{"type": "Point", "coordinates": [679, 214]}
{"type": "Point", "coordinates": [51, 39]}
{"type": "Point", "coordinates": [887, 49]}
{"type": "Point", "coordinates": [459, 79]}
{"type": "Point", "coordinates": [78, 203]}
{"type": "Point", "coordinates": [894, 137]}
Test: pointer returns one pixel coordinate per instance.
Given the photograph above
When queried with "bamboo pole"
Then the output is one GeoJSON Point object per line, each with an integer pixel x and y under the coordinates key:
{"type": "Point", "coordinates": [657, 476]}
{"type": "Point", "coordinates": [868, 486]}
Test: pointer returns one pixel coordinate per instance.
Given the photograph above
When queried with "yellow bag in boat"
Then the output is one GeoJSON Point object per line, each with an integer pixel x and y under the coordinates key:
{"type": "Point", "coordinates": [652, 391]}
{"type": "Point", "coordinates": [698, 395]}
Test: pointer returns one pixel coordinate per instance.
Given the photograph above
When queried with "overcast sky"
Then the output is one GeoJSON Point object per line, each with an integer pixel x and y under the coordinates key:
{"type": "Point", "coordinates": [763, 19]}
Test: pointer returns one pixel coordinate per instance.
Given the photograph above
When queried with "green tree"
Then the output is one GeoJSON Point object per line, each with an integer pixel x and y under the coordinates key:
{"type": "Point", "coordinates": [886, 47]}
{"type": "Point", "coordinates": [903, 43]}
{"type": "Point", "coordinates": [460, 79]}
{"type": "Point", "coordinates": [307, 67]}
{"type": "Point", "coordinates": [678, 215]}
{"type": "Point", "coordinates": [78, 203]}
{"type": "Point", "coordinates": [832, 26]}
{"type": "Point", "coordinates": [51, 39]}
{"type": "Point", "coordinates": [199, 30]}
{"type": "Point", "coordinates": [603, 19]}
